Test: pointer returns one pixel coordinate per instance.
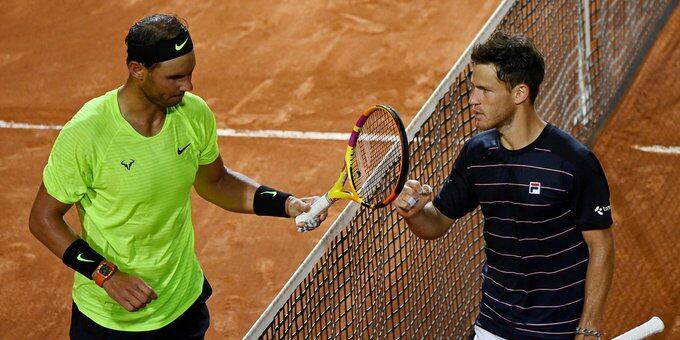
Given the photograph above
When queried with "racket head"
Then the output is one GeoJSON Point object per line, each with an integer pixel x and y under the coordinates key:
{"type": "Point", "coordinates": [377, 157]}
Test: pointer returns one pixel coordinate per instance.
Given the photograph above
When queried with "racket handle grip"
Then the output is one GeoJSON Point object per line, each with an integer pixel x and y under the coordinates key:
{"type": "Point", "coordinates": [308, 219]}
{"type": "Point", "coordinates": [653, 326]}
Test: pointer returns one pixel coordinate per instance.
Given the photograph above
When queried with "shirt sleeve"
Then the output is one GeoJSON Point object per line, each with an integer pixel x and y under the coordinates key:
{"type": "Point", "coordinates": [457, 197]}
{"type": "Point", "coordinates": [209, 149]}
{"type": "Point", "coordinates": [590, 201]}
{"type": "Point", "coordinates": [68, 173]}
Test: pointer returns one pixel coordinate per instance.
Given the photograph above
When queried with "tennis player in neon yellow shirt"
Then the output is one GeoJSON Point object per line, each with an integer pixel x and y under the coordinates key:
{"type": "Point", "coordinates": [128, 160]}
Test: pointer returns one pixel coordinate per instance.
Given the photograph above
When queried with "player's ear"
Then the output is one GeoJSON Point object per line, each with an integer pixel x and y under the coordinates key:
{"type": "Point", "coordinates": [520, 93]}
{"type": "Point", "coordinates": [137, 70]}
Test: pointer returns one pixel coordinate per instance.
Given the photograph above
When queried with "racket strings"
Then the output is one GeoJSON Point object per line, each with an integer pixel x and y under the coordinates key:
{"type": "Point", "coordinates": [378, 157]}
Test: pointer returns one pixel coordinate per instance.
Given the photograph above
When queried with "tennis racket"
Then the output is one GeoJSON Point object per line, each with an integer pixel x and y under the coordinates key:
{"type": "Point", "coordinates": [375, 169]}
{"type": "Point", "coordinates": [653, 326]}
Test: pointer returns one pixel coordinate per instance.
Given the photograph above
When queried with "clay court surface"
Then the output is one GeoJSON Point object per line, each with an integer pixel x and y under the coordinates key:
{"type": "Point", "coordinates": [299, 67]}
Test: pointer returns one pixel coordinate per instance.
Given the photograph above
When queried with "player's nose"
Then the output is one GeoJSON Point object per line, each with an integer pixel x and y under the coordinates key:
{"type": "Point", "coordinates": [186, 85]}
{"type": "Point", "coordinates": [474, 97]}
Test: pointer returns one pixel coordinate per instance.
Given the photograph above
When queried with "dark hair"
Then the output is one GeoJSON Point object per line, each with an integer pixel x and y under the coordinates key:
{"type": "Point", "coordinates": [152, 29]}
{"type": "Point", "coordinates": [516, 58]}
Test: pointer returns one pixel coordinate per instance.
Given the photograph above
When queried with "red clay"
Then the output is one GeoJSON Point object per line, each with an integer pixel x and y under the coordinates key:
{"type": "Point", "coordinates": [310, 67]}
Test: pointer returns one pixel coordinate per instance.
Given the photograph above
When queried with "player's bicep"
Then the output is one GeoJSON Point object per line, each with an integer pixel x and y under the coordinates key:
{"type": "Point", "coordinates": [590, 195]}
{"type": "Point", "coordinates": [45, 206]}
{"type": "Point", "coordinates": [47, 224]}
{"type": "Point", "coordinates": [68, 173]}
{"type": "Point", "coordinates": [209, 174]}
{"type": "Point", "coordinates": [457, 196]}
{"type": "Point", "coordinates": [599, 239]}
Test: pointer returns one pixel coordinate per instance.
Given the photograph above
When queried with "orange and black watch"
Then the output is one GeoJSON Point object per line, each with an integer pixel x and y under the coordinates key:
{"type": "Point", "coordinates": [103, 272]}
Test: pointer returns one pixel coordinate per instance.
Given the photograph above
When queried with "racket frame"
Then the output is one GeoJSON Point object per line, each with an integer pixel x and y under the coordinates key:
{"type": "Point", "coordinates": [350, 156]}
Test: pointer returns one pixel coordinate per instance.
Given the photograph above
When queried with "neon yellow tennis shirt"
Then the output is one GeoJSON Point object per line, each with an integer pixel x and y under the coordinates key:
{"type": "Point", "coordinates": [133, 198]}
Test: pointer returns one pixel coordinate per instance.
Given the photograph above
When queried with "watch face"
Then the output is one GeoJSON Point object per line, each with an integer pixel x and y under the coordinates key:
{"type": "Point", "coordinates": [105, 270]}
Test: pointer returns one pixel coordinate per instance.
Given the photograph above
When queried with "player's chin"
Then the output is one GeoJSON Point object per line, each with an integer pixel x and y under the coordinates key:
{"type": "Point", "coordinates": [482, 123]}
{"type": "Point", "coordinates": [174, 100]}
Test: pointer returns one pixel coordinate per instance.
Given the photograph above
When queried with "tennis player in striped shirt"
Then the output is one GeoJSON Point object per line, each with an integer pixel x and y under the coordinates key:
{"type": "Point", "coordinates": [545, 199]}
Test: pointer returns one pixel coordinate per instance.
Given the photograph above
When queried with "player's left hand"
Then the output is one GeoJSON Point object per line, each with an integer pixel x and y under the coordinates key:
{"type": "Point", "coordinates": [296, 206]}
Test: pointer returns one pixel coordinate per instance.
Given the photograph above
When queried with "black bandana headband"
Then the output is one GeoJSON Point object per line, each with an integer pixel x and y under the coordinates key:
{"type": "Point", "coordinates": [162, 50]}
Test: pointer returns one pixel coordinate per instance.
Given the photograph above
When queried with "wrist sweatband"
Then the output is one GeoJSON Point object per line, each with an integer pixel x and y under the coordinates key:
{"type": "Point", "coordinates": [82, 258]}
{"type": "Point", "coordinates": [270, 202]}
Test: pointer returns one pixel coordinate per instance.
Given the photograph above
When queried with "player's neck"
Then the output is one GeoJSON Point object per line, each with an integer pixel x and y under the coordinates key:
{"type": "Point", "coordinates": [144, 116]}
{"type": "Point", "coordinates": [137, 103]}
{"type": "Point", "coordinates": [524, 127]}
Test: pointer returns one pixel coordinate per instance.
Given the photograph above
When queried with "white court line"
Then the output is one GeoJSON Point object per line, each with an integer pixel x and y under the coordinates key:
{"type": "Point", "coordinates": [14, 125]}
{"type": "Point", "coordinates": [220, 132]}
{"type": "Point", "coordinates": [672, 150]}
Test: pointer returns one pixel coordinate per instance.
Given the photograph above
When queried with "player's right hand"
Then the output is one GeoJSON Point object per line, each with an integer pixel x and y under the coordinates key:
{"type": "Point", "coordinates": [413, 198]}
{"type": "Point", "coordinates": [129, 291]}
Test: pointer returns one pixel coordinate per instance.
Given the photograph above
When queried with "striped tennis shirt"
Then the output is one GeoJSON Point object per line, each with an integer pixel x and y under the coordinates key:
{"type": "Point", "coordinates": [536, 202]}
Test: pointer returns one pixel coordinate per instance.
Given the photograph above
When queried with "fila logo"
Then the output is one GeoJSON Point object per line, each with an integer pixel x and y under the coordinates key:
{"type": "Point", "coordinates": [601, 210]}
{"type": "Point", "coordinates": [535, 188]}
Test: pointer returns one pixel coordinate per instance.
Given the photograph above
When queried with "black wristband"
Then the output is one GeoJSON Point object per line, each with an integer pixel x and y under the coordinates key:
{"type": "Point", "coordinates": [82, 258]}
{"type": "Point", "coordinates": [270, 202]}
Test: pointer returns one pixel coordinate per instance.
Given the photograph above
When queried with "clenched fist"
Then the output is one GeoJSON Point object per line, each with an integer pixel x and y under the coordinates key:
{"type": "Point", "coordinates": [129, 291]}
{"type": "Point", "coordinates": [412, 198]}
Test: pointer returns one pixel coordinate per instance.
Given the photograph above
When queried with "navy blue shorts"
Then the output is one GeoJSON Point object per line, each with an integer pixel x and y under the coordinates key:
{"type": "Point", "coordinates": [192, 324]}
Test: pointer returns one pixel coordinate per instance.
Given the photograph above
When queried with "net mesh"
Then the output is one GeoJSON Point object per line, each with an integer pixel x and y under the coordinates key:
{"type": "Point", "coordinates": [371, 277]}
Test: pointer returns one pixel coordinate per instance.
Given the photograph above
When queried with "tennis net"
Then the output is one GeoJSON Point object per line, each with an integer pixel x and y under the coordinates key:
{"type": "Point", "coordinates": [369, 276]}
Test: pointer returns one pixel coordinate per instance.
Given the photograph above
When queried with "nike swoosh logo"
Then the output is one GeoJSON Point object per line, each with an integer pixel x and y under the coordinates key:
{"type": "Point", "coordinates": [81, 258]}
{"type": "Point", "coordinates": [179, 47]}
{"type": "Point", "coordinates": [273, 193]}
{"type": "Point", "coordinates": [179, 151]}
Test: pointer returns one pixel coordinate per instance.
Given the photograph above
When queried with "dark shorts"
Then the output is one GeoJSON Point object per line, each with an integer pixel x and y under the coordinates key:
{"type": "Point", "coordinates": [192, 324]}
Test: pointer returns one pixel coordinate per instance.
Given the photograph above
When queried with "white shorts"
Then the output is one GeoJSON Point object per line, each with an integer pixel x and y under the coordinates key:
{"type": "Point", "coordinates": [482, 334]}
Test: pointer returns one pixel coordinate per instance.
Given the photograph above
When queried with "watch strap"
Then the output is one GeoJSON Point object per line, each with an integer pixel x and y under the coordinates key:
{"type": "Point", "coordinates": [104, 271]}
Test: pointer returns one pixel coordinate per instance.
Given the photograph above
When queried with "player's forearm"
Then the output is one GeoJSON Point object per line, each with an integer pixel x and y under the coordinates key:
{"type": "Point", "coordinates": [52, 231]}
{"type": "Point", "coordinates": [429, 224]}
{"type": "Point", "coordinates": [233, 192]}
{"type": "Point", "coordinates": [598, 280]}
